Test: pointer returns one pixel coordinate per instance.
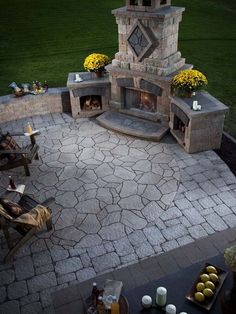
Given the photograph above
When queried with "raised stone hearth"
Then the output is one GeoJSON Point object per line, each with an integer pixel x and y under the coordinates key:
{"type": "Point", "coordinates": [132, 126]}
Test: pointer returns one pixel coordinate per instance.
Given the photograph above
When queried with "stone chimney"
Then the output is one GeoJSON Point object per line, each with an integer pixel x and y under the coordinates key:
{"type": "Point", "coordinates": [148, 37]}
{"type": "Point", "coordinates": [148, 53]}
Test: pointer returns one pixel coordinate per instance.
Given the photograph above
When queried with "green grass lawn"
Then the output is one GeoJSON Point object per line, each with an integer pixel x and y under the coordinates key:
{"type": "Point", "coordinates": [47, 39]}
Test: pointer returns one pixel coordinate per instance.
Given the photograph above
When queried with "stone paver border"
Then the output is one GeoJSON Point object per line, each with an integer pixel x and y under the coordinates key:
{"type": "Point", "coordinates": [138, 274]}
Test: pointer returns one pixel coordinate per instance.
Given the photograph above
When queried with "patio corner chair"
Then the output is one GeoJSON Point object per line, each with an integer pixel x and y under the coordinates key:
{"type": "Point", "coordinates": [12, 155]}
{"type": "Point", "coordinates": [31, 219]}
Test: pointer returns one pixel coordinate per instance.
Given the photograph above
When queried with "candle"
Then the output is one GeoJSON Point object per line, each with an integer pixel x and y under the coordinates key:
{"type": "Point", "coordinates": [78, 78]}
{"type": "Point", "coordinates": [183, 313]}
{"type": "Point", "coordinates": [29, 128]}
{"type": "Point", "coordinates": [170, 309]}
{"type": "Point", "coordinates": [161, 296]}
{"type": "Point", "coordinates": [195, 105]}
{"type": "Point", "coordinates": [146, 301]}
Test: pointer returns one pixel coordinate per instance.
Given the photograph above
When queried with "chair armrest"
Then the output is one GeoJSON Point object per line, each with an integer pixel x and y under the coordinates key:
{"type": "Point", "coordinates": [48, 201]}
{"type": "Point", "coordinates": [31, 136]}
{"type": "Point", "coordinates": [17, 134]}
{"type": "Point", "coordinates": [23, 134]}
{"type": "Point", "coordinates": [12, 151]}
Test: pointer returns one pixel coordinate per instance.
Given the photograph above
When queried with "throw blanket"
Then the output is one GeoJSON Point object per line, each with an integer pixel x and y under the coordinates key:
{"type": "Point", "coordinates": [36, 217]}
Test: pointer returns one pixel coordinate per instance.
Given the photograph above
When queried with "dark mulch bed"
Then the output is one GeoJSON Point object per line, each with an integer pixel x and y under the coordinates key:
{"type": "Point", "coordinates": [227, 152]}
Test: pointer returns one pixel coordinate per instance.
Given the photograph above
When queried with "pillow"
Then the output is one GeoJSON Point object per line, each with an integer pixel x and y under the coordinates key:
{"type": "Point", "coordinates": [8, 143]}
{"type": "Point", "coordinates": [36, 217]}
{"type": "Point", "coordinates": [13, 209]}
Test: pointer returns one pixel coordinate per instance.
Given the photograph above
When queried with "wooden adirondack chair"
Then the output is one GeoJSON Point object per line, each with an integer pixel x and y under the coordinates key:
{"type": "Point", "coordinates": [12, 155]}
{"type": "Point", "coordinates": [26, 231]}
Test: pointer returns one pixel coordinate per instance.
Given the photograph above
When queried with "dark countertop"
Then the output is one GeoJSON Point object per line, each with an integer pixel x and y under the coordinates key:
{"type": "Point", "coordinates": [89, 78]}
{"type": "Point", "coordinates": [178, 285]}
{"type": "Point", "coordinates": [208, 103]}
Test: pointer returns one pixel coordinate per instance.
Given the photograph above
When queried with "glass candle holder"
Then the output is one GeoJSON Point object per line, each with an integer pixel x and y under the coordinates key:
{"type": "Point", "coordinates": [170, 309]}
{"type": "Point", "coordinates": [146, 301]}
{"type": "Point", "coordinates": [161, 296]}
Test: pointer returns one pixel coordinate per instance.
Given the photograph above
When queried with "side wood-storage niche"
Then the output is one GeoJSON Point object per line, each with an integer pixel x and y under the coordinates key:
{"type": "Point", "coordinates": [199, 130]}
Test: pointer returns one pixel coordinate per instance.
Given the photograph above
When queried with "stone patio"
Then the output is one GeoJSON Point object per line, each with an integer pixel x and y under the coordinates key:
{"type": "Point", "coordinates": [118, 200]}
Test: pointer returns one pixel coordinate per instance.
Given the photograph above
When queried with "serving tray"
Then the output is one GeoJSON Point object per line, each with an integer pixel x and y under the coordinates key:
{"type": "Point", "coordinates": [123, 302]}
{"type": "Point", "coordinates": [207, 304]}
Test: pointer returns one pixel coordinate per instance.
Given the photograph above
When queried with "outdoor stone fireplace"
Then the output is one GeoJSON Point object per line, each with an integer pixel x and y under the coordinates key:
{"type": "Point", "coordinates": [138, 83]}
{"type": "Point", "coordinates": [141, 72]}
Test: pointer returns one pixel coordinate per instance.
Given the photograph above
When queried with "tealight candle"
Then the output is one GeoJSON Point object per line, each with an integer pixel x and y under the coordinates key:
{"type": "Point", "coordinates": [195, 105]}
{"type": "Point", "coordinates": [29, 128]}
{"type": "Point", "coordinates": [146, 301]}
{"type": "Point", "coordinates": [170, 309]}
{"type": "Point", "coordinates": [183, 313]}
{"type": "Point", "coordinates": [161, 296]}
{"type": "Point", "coordinates": [78, 78]}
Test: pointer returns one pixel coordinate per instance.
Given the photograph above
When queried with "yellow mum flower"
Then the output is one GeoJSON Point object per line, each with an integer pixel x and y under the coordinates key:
{"type": "Point", "coordinates": [96, 62]}
{"type": "Point", "coordinates": [188, 80]}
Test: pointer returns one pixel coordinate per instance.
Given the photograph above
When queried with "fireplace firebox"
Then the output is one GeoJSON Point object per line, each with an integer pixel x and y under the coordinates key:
{"type": "Point", "coordinates": [140, 100]}
{"type": "Point", "coordinates": [92, 102]}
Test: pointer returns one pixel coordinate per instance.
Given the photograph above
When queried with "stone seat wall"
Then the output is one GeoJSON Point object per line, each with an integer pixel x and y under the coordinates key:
{"type": "Point", "coordinates": [53, 101]}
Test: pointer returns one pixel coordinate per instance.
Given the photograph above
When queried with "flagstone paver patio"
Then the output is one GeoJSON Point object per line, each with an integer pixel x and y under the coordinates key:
{"type": "Point", "coordinates": [118, 199]}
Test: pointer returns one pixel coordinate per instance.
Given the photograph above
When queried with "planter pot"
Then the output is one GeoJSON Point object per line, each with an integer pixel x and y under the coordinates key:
{"type": "Point", "coordinates": [186, 94]}
{"type": "Point", "coordinates": [189, 94]}
{"type": "Point", "coordinates": [99, 74]}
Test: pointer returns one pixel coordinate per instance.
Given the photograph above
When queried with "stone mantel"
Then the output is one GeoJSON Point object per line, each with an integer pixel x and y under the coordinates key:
{"type": "Point", "coordinates": [120, 72]}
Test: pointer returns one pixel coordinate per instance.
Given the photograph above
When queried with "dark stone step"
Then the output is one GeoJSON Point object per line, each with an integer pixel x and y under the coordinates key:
{"type": "Point", "coordinates": [134, 126]}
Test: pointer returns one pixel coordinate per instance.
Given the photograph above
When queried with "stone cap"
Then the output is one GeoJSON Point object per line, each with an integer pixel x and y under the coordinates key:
{"type": "Point", "coordinates": [89, 78]}
{"type": "Point", "coordinates": [165, 12]}
{"type": "Point", "coordinates": [209, 104]}
{"type": "Point", "coordinates": [10, 99]}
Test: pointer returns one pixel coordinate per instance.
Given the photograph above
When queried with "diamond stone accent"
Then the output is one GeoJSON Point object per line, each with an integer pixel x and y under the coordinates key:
{"type": "Point", "coordinates": [139, 41]}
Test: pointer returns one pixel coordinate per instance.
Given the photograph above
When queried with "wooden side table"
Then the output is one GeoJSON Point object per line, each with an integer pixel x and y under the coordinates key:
{"type": "Point", "coordinates": [20, 188]}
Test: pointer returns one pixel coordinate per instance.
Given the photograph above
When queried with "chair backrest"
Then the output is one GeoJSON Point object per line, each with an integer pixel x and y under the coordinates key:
{"type": "Point", "coordinates": [8, 143]}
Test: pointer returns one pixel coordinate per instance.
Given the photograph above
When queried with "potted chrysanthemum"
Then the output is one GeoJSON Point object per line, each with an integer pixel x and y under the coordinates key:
{"type": "Point", "coordinates": [188, 81]}
{"type": "Point", "coordinates": [96, 62]}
